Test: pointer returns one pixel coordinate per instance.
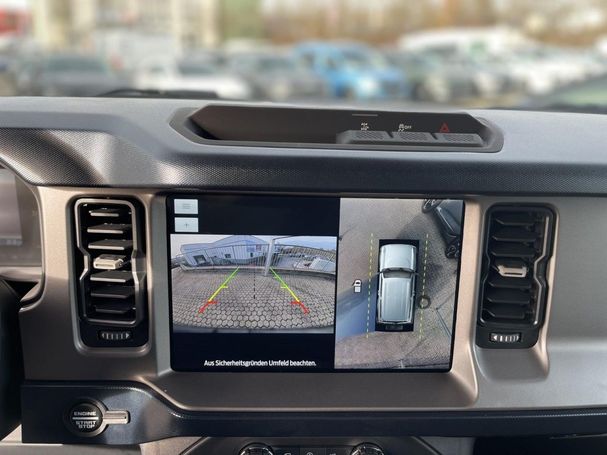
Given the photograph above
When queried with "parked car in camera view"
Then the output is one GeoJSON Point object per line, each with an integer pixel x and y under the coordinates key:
{"type": "Point", "coordinates": [448, 215]}
{"type": "Point", "coordinates": [354, 71]}
{"type": "Point", "coordinates": [396, 288]}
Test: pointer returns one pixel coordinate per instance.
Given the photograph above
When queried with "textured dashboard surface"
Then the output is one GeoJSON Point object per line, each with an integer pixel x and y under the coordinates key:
{"type": "Point", "coordinates": [129, 143]}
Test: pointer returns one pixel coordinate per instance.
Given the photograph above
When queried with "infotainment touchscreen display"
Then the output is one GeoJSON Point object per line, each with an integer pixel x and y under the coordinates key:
{"type": "Point", "coordinates": [280, 283]}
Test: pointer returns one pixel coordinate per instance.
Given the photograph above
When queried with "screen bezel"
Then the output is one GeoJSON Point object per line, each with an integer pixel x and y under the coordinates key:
{"type": "Point", "coordinates": [169, 219]}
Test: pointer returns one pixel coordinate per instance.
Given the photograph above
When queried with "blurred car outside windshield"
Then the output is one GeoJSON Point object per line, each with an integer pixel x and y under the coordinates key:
{"type": "Point", "coordinates": [428, 54]}
{"type": "Point", "coordinates": [193, 68]}
{"type": "Point", "coordinates": [274, 63]}
{"type": "Point", "coordinates": [75, 64]}
{"type": "Point", "coordinates": [361, 59]}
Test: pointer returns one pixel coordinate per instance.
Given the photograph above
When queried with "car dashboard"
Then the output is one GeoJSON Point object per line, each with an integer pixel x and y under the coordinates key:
{"type": "Point", "coordinates": [280, 277]}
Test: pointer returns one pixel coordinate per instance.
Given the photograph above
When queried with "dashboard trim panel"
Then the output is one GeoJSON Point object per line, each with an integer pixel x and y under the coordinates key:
{"type": "Point", "coordinates": [129, 143]}
{"type": "Point", "coordinates": [120, 148]}
{"type": "Point", "coordinates": [477, 376]}
{"type": "Point", "coordinates": [153, 418]}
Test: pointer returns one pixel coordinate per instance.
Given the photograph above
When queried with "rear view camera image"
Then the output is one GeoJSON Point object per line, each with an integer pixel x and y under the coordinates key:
{"type": "Point", "coordinates": [396, 289]}
{"type": "Point", "coordinates": [253, 282]}
{"type": "Point", "coordinates": [246, 283]}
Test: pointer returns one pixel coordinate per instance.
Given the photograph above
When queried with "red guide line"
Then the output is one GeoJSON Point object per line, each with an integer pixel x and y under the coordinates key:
{"type": "Point", "coordinates": [206, 305]}
{"type": "Point", "coordinates": [303, 307]}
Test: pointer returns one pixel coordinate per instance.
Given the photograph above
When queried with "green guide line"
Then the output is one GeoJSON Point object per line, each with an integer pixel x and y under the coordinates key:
{"type": "Point", "coordinates": [284, 285]}
{"type": "Point", "coordinates": [224, 284]}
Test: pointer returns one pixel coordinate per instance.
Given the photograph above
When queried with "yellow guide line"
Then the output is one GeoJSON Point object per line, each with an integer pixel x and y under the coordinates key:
{"type": "Point", "coordinates": [284, 285]}
{"type": "Point", "coordinates": [223, 285]}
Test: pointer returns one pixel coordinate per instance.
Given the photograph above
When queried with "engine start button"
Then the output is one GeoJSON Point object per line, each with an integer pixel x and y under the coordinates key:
{"type": "Point", "coordinates": [85, 418]}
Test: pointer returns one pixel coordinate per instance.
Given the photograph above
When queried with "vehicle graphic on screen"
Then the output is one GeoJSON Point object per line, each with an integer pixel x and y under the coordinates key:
{"type": "Point", "coordinates": [396, 290]}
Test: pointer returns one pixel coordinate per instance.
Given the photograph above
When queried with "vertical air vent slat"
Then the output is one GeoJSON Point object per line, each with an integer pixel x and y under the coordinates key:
{"type": "Point", "coordinates": [499, 282]}
{"type": "Point", "coordinates": [113, 276]}
{"type": "Point", "coordinates": [107, 212]}
{"type": "Point", "coordinates": [113, 308]}
{"type": "Point", "coordinates": [506, 250]}
{"type": "Point", "coordinates": [506, 312]}
{"type": "Point", "coordinates": [518, 246]}
{"type": "Point", "coordinates": [111, 244]}
{"type": "Point", "coordinates": [113, 292]}
{"type": "Point", "coordinates": [109, 228]}
{"type": "Point", "coordinates": [110, 270]}
{"type": "Point", "coordinates": [516, 234]}
{"type": "Point", "coordinates": [511, 296]}
{"type": "Point", "coordinates": [514, 219]}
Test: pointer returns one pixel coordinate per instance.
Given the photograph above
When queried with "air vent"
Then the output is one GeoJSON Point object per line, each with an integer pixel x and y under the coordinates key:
{"type": "Point", "coordinates": [518, 246]}
{"type": "Point", "coordinates": [110, 269]}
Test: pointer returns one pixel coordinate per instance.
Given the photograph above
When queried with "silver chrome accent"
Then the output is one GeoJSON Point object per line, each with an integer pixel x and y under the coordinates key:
{"type": "Point", "coordinates": [116, 417]}
{"type": "Point", "coordinates": [257, 449]}
{"type": "Point", "coordinates": [109, 262]}
{"type": "Point", "coordinates": [510, 271]}
{"type": "Point", "coordinates": [367, 449]}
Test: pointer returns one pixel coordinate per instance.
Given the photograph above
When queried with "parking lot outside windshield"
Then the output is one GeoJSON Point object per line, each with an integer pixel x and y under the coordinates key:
{"type": "Point", "coordinates": [276, 283]}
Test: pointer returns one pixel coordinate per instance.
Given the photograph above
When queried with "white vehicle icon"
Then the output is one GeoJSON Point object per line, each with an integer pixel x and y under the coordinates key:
{"type": "Point", "coordinates": [396, 296]}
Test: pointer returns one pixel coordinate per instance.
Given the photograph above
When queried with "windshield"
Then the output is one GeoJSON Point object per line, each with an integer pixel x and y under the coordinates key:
{"type": "Point", "coordinates": [68, 64]}
{"type": "Point", "coordinates": [191, 68]}
{"type": "Point", "coordinates": [434, 54]}
{"type": "Point", "coordinates": [276, 64]}
{"type": "Point", "coordinates": [361, 60]}
{"type": "Point", "coordinates": [265, 63]}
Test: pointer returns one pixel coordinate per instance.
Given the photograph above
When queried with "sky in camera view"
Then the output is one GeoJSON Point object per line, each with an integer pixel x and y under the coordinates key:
{"type": "Point", "coordinates": [325, 243]}
{"type": "Point", "coordinates": [470, 53]}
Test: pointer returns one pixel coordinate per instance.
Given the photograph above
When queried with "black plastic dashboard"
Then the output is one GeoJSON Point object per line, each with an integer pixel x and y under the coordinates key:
{"type": "Point", "coordinates": [94, 150]}
{"type": "Point", "coordinates": [543, 153]}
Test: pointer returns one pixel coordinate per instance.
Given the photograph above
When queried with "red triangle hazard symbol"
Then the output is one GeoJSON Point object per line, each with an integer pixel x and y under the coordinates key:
{"type": "Point", "coordinates": [444, 128]}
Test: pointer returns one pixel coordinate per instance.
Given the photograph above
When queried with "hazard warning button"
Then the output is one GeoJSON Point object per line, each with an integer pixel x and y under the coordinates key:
{"type": "Point", "coordinates": [459, 139]}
